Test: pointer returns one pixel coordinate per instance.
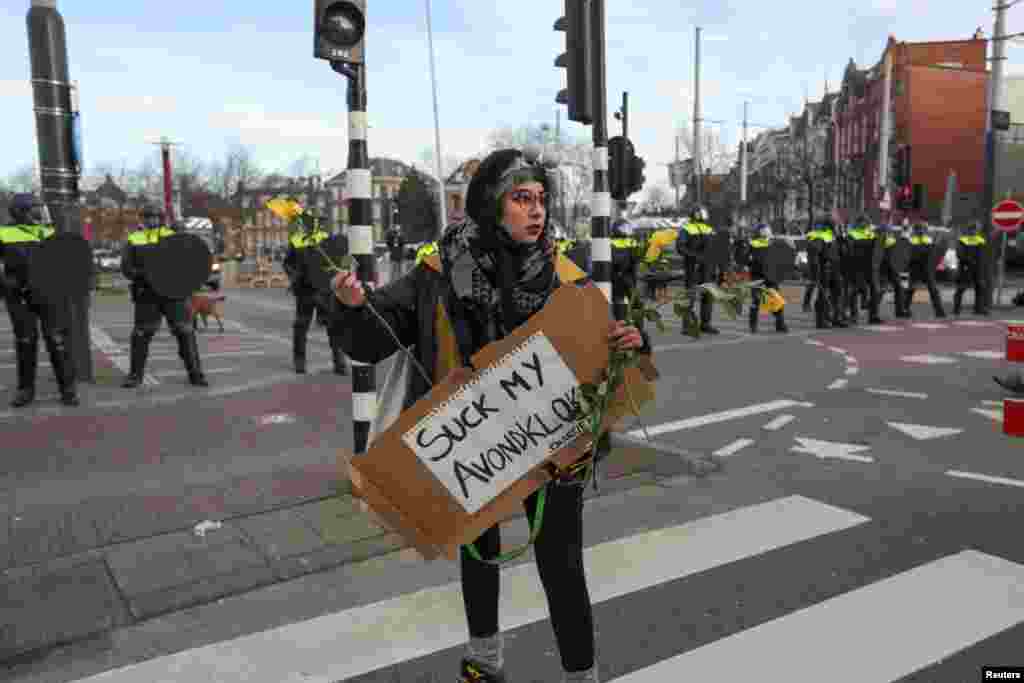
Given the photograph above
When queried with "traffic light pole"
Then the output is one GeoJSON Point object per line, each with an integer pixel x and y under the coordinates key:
{"type": "Point", "coordinates": [601, 203]}
{"type": "Point", "coordinates": [358, 181]}
{"type": "Point", "coordinates": [59, 165]}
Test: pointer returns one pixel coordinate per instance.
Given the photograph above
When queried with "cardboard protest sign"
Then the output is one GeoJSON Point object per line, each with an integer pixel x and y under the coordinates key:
{"type": "Point", "coordinates": [465, 456]}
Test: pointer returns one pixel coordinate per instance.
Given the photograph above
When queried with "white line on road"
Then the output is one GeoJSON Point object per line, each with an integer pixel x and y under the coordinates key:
{"type": "Point", "coordinates": [852, 370]}
{"type": "Point", "coordinates": [733, 448]}
{"type": "Point", "coordinates": [928, 359]}
{"type": "Point", "coordinates": [987, 355]}
{"type": "Point", "coordinates": [725, 415]}
{"type": "Point", "coordinates": [988, 478]}
{"type": "Point", "coordinates": [839, 384]}
{"type": "Point", "coordinates": [115, 352]}
{"type": "Point", "coordinates": [206, 371]}
{"type": "Point", "coordinates": [813, 342]}
{"type": "Point", "coordinates": [996, 415]}
{"type": "Point", "coordinates": [930, 326]}
{"type": "Point", "coordinates": [779, 422]}
{"type": "Point", "coordinates": [893, 392]}
{"type": "Point", "coordinates": [973, 323]}
{"type": "Point", "coordinates": [992, 403]}
{"type": "Point", "coordinates": [347, 644]}
{"type": "Point", "coordinates": [836, 349]}
{"type": "Point", "coordinates": [983, 591]}
{"type": "Point", "coordinates": [174, 356]}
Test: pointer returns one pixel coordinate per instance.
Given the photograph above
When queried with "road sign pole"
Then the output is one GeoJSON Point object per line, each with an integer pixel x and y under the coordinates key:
{"type": "Point", "coordinates": [1006, 215]}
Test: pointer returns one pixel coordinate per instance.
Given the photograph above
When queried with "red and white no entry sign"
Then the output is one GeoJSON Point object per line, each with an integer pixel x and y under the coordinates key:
{"type": "Point", "coordinates": [1007, 215]}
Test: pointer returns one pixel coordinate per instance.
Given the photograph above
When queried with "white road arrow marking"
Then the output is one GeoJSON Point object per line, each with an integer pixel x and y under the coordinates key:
{"type": "Point", "coordinates": [813, 342]}
{"type": "Point", "coordinates": [839, 384]}
{"type": "Point", "coordinates": [922, 432]}
{"type": "Point", "coordinates": [893, 392]}
{"type": "Point", "coordinates": [836, 349]}
{"type": "Point", "coordinates": [733, 448]}
{"type": "Point", "coordinates": [779, 422]}
{"type": "Point", "coordinates": [927, 359]}
{"type": "Point", "coordinates": [831, 449]}
{"type": "Point", "coordinates": [852, 370]}
{"type": "Point", "coordinates": [988, 355]}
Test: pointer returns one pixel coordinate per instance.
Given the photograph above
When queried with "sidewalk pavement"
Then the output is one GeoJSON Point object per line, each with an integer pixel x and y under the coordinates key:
{"type": "Point", "coordinates": [78, 595]}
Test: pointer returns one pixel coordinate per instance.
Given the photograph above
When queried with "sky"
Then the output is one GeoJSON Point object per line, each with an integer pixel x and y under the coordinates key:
{"type": "Point", "coordinates": [210, 74]}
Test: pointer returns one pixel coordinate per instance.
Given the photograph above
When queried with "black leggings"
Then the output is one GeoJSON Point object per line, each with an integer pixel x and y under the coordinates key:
{"type": "Point", "coordinates": [559, 556]}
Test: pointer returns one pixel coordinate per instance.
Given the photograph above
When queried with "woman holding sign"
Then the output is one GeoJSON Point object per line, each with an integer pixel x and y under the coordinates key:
{"type": "Point", "coordinates": [493, 270]}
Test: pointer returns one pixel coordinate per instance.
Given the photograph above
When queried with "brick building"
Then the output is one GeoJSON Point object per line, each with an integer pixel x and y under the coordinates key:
{"type": "Point", "coordinates": [938, 99]}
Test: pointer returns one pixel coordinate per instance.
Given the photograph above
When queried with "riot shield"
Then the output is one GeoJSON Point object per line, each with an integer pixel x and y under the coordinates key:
{"type": "Point", "coordinates": [778, 260]}
{"type": "Point", "coordinates": [899, 255]}
{"type": "Point", "coordinates": [178, 266]}
{"type": "Point", "coordinates": [60, 267]}
{"type": "Point", "coordinates": [319, 271]}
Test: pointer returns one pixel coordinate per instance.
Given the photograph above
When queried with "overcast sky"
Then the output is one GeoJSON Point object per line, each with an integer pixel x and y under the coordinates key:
{"type": "Point", "coordinates": [211, 73]}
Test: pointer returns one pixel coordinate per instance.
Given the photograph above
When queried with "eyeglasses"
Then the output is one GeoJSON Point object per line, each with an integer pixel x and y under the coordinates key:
{"type": "Point", "coordinates": [525, 198]}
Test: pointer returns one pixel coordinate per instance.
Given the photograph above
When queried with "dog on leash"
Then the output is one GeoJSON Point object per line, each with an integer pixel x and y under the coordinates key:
{"type": "Point", "coordinates": [203, 306]}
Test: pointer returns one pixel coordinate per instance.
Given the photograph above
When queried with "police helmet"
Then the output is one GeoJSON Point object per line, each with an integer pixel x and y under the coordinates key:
{"type": "Point", "coordinates": [24, 208]}
{"type": "Point", "coordinates": [698, 214]}
{"type": "Point", "coordinates": [622, 228]}
{"type": "Point", "coordinates": [763, 231]}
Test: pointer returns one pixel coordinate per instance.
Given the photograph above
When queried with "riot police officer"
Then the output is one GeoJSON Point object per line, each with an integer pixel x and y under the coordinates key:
{"type": "Point", "coordinates": [396, 251]}
{"type": "Point", "coordinates": [758, 245]}
{"type": "Point", "coordinates": [922, 270]}
{"type": "Point", "coordinates": [693, 245]}
{"type": "Point", "coordinates": [862, 273]}
{"type": "Point", "coordinates": [27, 311]}
{"type": "Point", "coordinates": [624, 266]}
{"type": "Point", "coordinates": [888, 274]}
{"type": "Point", "coordinates": [308, 301]}
{"type": "Point", "coordinates": [824, 264]}
{"type": "Point", "coordinates": [971, 256]}
{"type": "Point", "coordinates": [150, 307]}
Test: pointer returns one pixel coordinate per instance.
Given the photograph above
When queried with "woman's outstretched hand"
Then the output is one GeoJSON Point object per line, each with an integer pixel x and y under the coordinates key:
{"type": "Point", "coordinates": [623, 337]}
{"type": "Point", "coordinates": [348, 289]}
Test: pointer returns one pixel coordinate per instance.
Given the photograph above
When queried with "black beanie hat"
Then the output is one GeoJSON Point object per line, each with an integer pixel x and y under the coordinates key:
{"type": "Point", "coordinates": [481, 199]}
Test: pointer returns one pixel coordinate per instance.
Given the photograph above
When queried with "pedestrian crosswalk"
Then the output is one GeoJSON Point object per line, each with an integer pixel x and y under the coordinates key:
{"type": "Point", "coordinates": [878, 632]}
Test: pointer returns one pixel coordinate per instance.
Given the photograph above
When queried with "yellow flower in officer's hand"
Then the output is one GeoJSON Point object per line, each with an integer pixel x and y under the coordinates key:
{"type": "Point", "coordinates": [285, 209]}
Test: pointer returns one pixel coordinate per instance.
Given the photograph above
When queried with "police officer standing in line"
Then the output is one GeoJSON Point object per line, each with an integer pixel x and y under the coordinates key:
{"type": "Point", "coordinates": [970, 253]}
{"type": "Point", "coordinates": [824, 263]}
{"type": "Point", "coordinates": [693, 243]}
{"type": "Point", "coordinates": [922, 270]}
{"type": "Point", "coordinates": [887, 273]}
{"type": "Point", "coordinates": [149, 306]}
{"type": "Point", "coordinates": [27, 312]}
{"type": "Point", "coordinates": [864, 280]}
{"type": "Point", "coordinates": [308, 301]}
{"type": "Point", "coordinates": [624, 267]}
{"type": "Point", "coordinates": [762, 238]}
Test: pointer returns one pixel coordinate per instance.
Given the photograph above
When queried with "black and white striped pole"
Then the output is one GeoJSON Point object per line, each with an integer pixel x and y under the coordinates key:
{"type": "Point", "coordinates": [359, 181]}
{"type": "Point", "coordinates": [601, 201]}
{"type": "Point", "coordinates": [339, 36]}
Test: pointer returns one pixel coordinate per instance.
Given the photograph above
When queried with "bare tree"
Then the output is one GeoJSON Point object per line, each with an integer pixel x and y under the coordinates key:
{"type": "Point", "coordinates": [657, 199]}
{"type": "Point", "coordinates": [716, 156]}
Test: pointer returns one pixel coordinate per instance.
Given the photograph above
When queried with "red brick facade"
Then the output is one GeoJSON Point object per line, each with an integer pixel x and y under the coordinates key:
{"type": "Point", "coordinates": [938, 107]}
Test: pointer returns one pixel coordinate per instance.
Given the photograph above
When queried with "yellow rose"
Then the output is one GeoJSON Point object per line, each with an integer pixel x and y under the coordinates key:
{"type": "Point", "coordinates": [285, 209]}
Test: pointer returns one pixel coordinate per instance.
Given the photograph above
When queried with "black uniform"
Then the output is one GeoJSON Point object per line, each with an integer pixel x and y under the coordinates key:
{"type": "Point", "coordinates": [970, 253]}
{"type": "Point", "coordinates": [624, 273]}
{"type": "Point", "coordinates": [150, 307]}
{"type": "Point", "coordinates": [694, 240]}
{"type": "Point", "coordinates": [922, 271]}
{"type": "Point", "coordinates": [28, 313]}
{"type": "Point", "coordinates": [862, 276]}
{"type": "Point", "coordinates": [756, 263]}
{"type": "Point", "coordinates": [308, 301]}
{"type": "Point", "coordinates": [823, 258]}
{"type": "Point", "coordinates": [889, 276]}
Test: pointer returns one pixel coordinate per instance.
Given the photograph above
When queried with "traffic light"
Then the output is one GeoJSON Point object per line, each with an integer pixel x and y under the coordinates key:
{"type": "Point", "coordinates": [636, 174]}
{"type": "Point", "coordinates": [620, 166]}
{"type": "Point", "coordinates": [577, 60]}
{"type": "Point", "coordinates": [339, 30]}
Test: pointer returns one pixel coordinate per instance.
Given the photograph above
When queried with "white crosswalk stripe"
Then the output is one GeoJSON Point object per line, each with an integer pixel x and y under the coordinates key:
{"type": "Point", "coordinates": [384, 638]}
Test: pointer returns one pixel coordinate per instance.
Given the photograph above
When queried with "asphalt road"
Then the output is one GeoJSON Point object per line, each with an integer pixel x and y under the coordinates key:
{"type": "Point", "coordinates": [863, 527]}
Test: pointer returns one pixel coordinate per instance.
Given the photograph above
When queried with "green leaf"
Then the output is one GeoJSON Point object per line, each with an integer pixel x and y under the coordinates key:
{"type": "Point", "coordinates": [652, 315]}
{"type": "Point", "coordinates": [680, 310]}
{"type": "Point", "coordinates": [661, 326]}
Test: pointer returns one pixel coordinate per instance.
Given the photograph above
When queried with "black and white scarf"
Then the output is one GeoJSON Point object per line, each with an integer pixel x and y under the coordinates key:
{"type": "Point", "coordinates": [498, 282]}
